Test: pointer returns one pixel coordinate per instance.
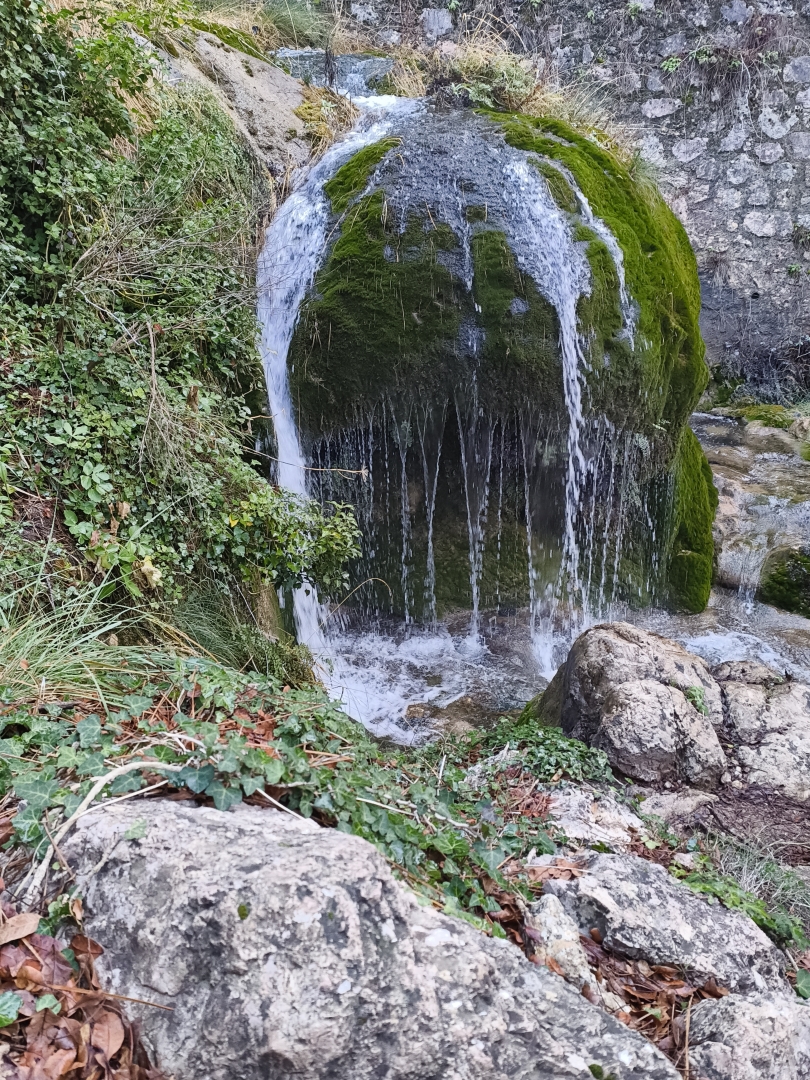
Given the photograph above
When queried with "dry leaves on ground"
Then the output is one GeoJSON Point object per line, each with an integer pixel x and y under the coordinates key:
{"type": "Point", "coordinates": [657, 999]}
{"type": "Point", "coordinates": [559, 869]}
{"type": "Point", "coordinates": [56, 1021]}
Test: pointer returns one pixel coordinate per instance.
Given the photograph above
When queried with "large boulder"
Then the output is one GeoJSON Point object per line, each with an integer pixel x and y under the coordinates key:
{"type": "Point", "coordinates": [642, 912]}
{"type": "Point", "coordinates": [759, 1037]}
{"type": "Point", "coordinates": [768, 722]}
{"type": "Point", "coordinates": [287, 950]}
{"type": "Point", "coordinates": [649, 704]}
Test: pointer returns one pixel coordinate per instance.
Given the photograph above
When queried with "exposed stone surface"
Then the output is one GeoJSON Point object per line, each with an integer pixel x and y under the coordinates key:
{"type": "Point", "coordinates": [768, 721]}
{"type": "Point", "coordinates": [260, 98]}
{"type": "Point", "coordinates": [589, 817]}
{"type": "Point", "coordinates": [287, 950]}
{"type": "Point", "coordinates": [675, 807]}
{"type": "Point", "coordinates": [557, 939]}
{"type": "Point", "coordinates": [642, 912]}
{"type": "Point", "coordinates": [628, 692]}
{"type": "Point", "coordinates": [650, 731]}
{"type": "Point", "coordinates": [754, 1038]}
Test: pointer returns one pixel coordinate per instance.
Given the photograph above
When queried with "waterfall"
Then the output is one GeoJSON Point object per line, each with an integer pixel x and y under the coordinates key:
{"type": "Point", "coordinates": [400, 442]}
{"type": "Point", "coordinates": [295, 242]}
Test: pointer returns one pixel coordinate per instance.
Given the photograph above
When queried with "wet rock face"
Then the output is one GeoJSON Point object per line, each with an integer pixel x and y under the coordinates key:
{"type": "Point", "coordinates": [490, 305]}
{"type": "Point", "coordinates": [642, 912]}
{"type": "Point", "coordinates": [289, 951]}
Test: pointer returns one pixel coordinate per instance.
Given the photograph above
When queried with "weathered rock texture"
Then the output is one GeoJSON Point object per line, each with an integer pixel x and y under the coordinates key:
{"type": "Point", "coordinates": [260, 98]}
{"type": "Point", "coordinates": [644, 913]}
{"type": "Point", "coordinates": [768, 721]}
{"type": "Point", "coordinates": [287, 950]}
{"type": "Point", "coordinates": [660, 713]}
{"type": "Point", "coordinates": [647, 702]}
{"type": "Point", "coordinates": [756, 1038]}
{"type": "Point", "coordinates": [719, 96]}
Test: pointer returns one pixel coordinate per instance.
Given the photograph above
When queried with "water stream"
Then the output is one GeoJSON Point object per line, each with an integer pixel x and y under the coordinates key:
{"type": "Point", "coordinates": [403, 672]}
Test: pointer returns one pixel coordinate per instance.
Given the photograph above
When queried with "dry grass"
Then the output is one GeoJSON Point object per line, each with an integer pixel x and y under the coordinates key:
{"type": "Point", "coordinates": [326, 115]}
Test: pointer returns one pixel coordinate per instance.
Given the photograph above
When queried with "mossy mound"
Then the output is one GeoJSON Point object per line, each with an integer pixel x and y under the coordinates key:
{"type": "Point", "coordinates": [785, 581]}
{"type": "Point", "coordinates": [426, 298]}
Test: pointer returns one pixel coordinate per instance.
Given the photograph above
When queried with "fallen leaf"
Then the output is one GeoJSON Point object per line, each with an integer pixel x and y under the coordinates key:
{"type": "Point", "coordinates": [108, 1034]}
{"type": "Point", "coordinates": [19, 926]}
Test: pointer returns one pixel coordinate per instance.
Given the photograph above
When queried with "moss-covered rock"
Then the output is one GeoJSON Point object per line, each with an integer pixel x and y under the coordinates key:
{"type": "Point", "coordinates": [429, 298]}
{"type": "Point", "coordinates": [785, 580]}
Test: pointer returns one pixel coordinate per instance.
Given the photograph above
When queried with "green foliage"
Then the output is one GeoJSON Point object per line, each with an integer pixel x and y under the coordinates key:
{"type": "Point", "coordinates": [545, 751]}
{"type": "Point", "coordinates": [10, 1005]}
{"type": "Point", "coordinates": [127, 333]}
{"type": "Point", "coordinates": [781, 927]}
{"type": "Point", "coordinates": [61, 105]}
{"type": "Point", "coordinates": [803, 983]}
{"type": "Point", "coordinates": [419, 807]}
{"type": "Point", "coordinates": [696, 695]}
{"type": "Point", "coordinates": [691, 563]}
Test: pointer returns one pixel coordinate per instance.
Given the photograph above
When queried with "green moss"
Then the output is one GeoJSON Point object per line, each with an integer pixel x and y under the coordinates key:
{"type": "Point", "coordinates": [785, 581]}
{"type": "Point", "coordinates": [350, 179]}
{"type": "Point", "coordinates": [236, 39]}
{"type": "Point", "coordinates": [559, 188]}
{"type": "Point", "coordinates": [384, 315]}
{"type": "Point", "coordinates": [692, 557]}
{"type": "Point", "coordinates": [476, 213]}
{"type": "Point", "coordinates": [520, 349]}
{"type": "Point", "coordinates": [776, 416]}
{"type": "Point", "coordinates": [660, 268]}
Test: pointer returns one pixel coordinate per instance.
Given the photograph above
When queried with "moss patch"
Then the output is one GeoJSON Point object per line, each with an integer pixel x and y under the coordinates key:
{"type": "Point", "coordinates": [350, 180]}
{"type": "Point", "coordinates": [559, 188]}
{"type": "Point", "coordinates": [384, 315]}
{"type": "Point", "coordinates": [659, 262]}
{"type": "Point", "coordinates": [785, 581]}
{"type": "Point", "coordinates": [695, 503]}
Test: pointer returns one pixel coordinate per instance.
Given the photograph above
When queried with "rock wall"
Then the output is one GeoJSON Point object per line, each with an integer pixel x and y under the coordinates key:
{"type": "Point", "coordinates": [717, 96]}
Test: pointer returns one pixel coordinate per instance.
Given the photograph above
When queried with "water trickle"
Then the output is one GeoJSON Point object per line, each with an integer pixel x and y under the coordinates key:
{"type": "Point", "coordinates": [294, 247]}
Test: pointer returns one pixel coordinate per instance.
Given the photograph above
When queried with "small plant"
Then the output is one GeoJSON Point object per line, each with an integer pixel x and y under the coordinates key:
{"type": "Point", "coordinates": [634, 8]}
{"type": "Point", "coordinates": [703, 54]}
{"type": "Point", "coordinates": [696, 696]}
{"type": "Point", "coordinates": [671, 64]}
{"type": "Point", "coordinates": [590, 15]}
{"type": "Point", "coordinates": [795, 269]}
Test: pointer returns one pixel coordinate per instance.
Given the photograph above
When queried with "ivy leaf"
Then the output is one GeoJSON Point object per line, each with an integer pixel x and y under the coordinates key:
{"type": "Point", "coordinates": [89, 731]}
{"type": "Point", "coordinates": [37, 793]}
{"type": "Point", "coordinates": [224, 797]}
{"type": "Point", "coordinates": [803, 983]}
{"type": "Point", "coordinates": [196, 780]}
{"type": "Point", "coordinates": [48, 1001]}
{"type": "Point", "coordinates": [10, 1005]}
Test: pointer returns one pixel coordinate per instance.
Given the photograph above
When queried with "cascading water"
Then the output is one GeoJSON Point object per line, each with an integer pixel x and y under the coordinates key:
{"type": "Point", "coordinates": [293, 249]}
{"type": "Point", "coordinates": [471, 503]}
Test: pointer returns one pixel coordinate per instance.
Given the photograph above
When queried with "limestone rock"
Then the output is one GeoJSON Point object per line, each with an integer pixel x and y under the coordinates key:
{"type": "Point", "coordinates": [768, 720]}
{"type": "Point", "coordinates": [651, 732]}
{"type": "Point", "coordinates": [587, 817]}
{"type": "Point", "coordinates": [287, 950]}
{"type": "Point", "coordinates": [642, 912]}
{"type": "Point", "coordinates": [754, 1038]}
{"type": "Point", "coordinates": [647, 702]}
{"type": "Point", "coordinates": [676, 807]}
{"type": "Point", "coordinates": [557, 939]}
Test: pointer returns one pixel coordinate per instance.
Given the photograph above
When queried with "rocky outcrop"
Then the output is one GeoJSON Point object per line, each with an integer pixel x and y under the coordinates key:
{"type": "Point", "coordinates": [644, 700]}
{"type": "Point", "coordinates": [660, 714]}
{"type": "Point", "coordinates": [641, 912]}
{"type": "Point", "coordinates": [768, 721]}
{"type": "Point", "coordinates": [286, 950]}
{"type": "Point", "coordinates": [754, 1038]}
